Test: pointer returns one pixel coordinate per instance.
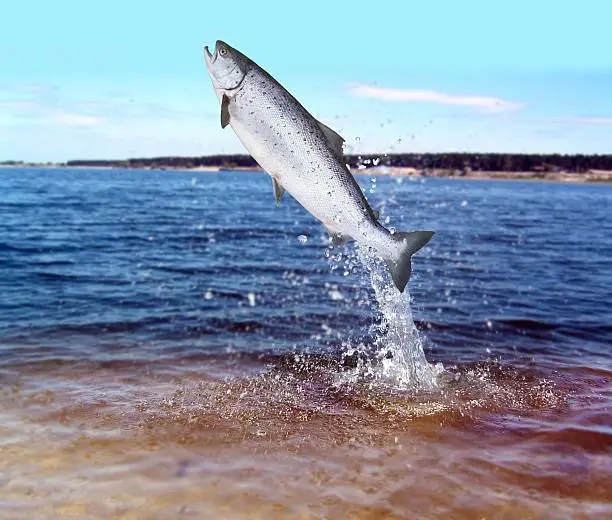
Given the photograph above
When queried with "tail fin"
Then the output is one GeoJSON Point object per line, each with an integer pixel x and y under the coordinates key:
{"type": "Point", "coordinates": [409, 243]}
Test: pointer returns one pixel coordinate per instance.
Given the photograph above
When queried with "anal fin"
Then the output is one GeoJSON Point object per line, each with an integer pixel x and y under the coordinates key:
{"type": "Point", "coordinates": [337, 239]}
{"type": "Point", "coordinates": [278, 190]}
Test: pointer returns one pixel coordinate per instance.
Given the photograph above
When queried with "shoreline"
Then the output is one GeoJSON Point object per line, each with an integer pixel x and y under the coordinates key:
{"type": "Point", "coordinates": [589, 177]}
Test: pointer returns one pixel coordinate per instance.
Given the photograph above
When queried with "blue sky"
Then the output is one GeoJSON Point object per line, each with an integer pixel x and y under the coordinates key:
{"type": "Point", "coordinates": [119, 79]}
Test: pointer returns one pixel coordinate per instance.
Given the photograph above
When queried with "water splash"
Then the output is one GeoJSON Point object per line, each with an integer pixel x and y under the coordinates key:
{"type": "Point", "coordinates": [399, 343]}
{"type": "Point", "coordinates": [396, 358]}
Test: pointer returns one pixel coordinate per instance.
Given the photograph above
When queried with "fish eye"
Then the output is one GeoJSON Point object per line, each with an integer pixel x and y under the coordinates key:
{"type": "Point", "coordinates": [222, 52]}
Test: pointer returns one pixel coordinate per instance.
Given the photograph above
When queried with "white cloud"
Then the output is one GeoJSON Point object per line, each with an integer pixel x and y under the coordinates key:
{"type": "Point", "coordinates": [33, 112]}
{"type": "Point", "coordinates": [47, 104]}
{"type": "Point", "coordinates": [27, 88]}
{"type": "Point", "coordinates": [74, 119]}
{"type": "Point", "coordinates": [588, 120]}
{"type": "Point", "coordinates": [17, 105]}
{"type": "Point", "coordinates": [483, 103]}
{"type": "Point", "coordinates": [42, 123]}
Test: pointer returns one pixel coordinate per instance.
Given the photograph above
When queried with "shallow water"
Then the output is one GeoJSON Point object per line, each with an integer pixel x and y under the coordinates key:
{"type": "Point", "coordinates": [174, 346]}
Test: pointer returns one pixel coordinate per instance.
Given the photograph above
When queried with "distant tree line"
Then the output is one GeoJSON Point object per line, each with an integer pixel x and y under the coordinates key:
{"type": "Point", "coordinates": [11, 163]}
{"type": "Point", "coordinates": [222, 161]}
{"type": "Point", "coordinates": [488, 161]}
{"type": "Point", "coordinates": [460, 162]}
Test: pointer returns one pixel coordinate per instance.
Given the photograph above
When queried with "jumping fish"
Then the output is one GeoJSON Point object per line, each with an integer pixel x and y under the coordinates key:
{"type": "Point", "coordinates": [304, 157]}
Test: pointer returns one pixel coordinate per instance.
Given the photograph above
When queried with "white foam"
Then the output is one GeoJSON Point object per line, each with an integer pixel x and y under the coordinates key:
{"type": "Point", "coordinates": [399, 360]}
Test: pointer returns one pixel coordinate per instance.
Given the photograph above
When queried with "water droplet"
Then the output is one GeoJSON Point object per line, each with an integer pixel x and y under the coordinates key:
{"type": "Point", "coordinates": [208, 295]}
{"type": "Point", "coordinates": [251, 297]}
{"type": "Point", "coordinates": [336, 295]}
{"type": "Point", "coordinates": [357, 139]}
{"type": "Point", "coordinates": [464, 203]}
{"type": "Point", "coordinates": [302, 239]}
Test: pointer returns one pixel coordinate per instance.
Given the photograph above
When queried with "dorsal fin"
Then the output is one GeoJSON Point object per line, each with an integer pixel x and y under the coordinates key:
{"type": "Point", "coordinates": [334, 139]}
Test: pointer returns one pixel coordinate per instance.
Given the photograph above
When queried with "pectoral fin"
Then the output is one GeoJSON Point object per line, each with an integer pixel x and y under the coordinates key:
{"type": "Point", "coordinates": [225, 116]}
{"type": "Point", "coordinates": [334, 139]}
{"type": "Point", "coordinates": [278, 190]}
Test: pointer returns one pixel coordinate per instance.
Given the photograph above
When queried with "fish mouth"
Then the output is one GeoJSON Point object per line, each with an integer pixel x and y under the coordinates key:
{"type": "Point", "coordinates": [210, 58]}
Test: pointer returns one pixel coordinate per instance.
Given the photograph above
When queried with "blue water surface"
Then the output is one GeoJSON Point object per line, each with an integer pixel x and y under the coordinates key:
{"type": "Point", "coordinates": [136, 264]}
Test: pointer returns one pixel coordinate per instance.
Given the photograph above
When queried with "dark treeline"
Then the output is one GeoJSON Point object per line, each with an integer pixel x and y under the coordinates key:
{"type": "Point", "coordinates": [445, 161]}
{"type": "Point", "coordinates": [227, 161]}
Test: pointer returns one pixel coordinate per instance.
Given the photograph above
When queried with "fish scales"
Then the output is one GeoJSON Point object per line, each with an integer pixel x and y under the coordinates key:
{"type": "Point", "coordinates": [304, 157]}
{"type": "Point", "coordinates": [286, 141]}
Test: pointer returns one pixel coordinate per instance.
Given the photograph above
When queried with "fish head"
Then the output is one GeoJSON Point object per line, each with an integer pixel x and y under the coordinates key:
{"type": "Point", "coordinates": [227, 66]}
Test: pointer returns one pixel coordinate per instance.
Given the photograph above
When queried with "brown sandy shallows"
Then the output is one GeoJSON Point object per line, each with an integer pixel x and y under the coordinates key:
{"type": "Point", "coordinates": [289, 440]}
{"type": "Point", "coordinates": [592, 176]}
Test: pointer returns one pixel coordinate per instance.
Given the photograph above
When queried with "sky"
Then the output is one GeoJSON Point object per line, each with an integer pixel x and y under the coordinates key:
{"type": "Point", "coordinates": [118, 79]}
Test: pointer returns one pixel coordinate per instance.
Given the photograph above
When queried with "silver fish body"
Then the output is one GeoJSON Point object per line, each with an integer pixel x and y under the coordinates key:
{"type": "Point", "coordinates": [303, 156]}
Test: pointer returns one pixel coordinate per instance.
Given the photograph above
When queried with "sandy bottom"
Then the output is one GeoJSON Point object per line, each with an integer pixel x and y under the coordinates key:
{"type": "Point", "coordinates": [252, 439]}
